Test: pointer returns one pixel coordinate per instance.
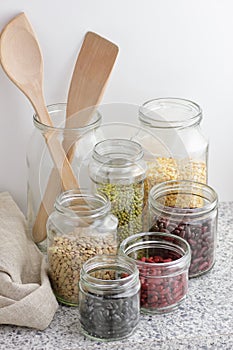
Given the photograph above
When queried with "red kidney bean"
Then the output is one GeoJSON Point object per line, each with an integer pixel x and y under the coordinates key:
{"type": "Point", "coordinates": [161, 292]}
{"type": "Point", "coordinates": [200, 236]}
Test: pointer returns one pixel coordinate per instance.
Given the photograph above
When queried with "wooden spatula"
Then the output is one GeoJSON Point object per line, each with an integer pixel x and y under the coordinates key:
{"type": "Point", "coordinates": [93, 67]}
{"type": "Point", "coordinates": [88, 81]}
{"type": "Point", "coordinates": [22, 61]}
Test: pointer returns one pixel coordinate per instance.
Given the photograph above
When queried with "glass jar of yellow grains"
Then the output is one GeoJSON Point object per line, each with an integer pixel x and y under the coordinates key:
{"type": "Point", "coordinates": [176, 122]}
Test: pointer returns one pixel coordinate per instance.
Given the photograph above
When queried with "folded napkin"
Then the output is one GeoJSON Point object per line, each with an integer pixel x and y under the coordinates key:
{"type": "Point", "coordinates": [26, 297]}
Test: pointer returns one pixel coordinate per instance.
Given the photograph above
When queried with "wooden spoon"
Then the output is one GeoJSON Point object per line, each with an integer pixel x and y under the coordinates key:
{"type": "Point", "coordinates": [22, 61]}
{"type": "Point", "coordinates": [93, 67]}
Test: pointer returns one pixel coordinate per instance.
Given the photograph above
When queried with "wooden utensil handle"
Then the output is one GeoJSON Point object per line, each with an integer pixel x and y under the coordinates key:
{"type": "Point", "coordinates": [57, 182]}
{"type": "Point", "coordinates": [61, 162]}
{"type": "Point", "coordinates": [46, 206]}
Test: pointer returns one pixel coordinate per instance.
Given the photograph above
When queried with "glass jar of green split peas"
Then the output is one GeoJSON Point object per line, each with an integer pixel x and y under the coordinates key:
{"type": "Point", "coordinates": [118, 170]}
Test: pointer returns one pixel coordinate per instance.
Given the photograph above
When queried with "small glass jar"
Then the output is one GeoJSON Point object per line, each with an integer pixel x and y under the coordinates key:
{"type": "Point", "coordinates": [176, 122]}
{"type": "Point", "coordinates": [43, 179]}
{"type": "Point", "coordinates": [80, 227]}
{"type": "Point", "coordinates": [109, 301]}
{"type": "Point", "coordinates": [189, 210]}
{"type": "Point", "coordinates": [163, 261]}
{"type": "Point", "coordinates": [118, 170]}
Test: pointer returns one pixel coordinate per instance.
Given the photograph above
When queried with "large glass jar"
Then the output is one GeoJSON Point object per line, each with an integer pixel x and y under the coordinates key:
{"type": "Point", "coordinates": [118, 170]}
{"type": "Point", "coordinates": [109, 303]}
{"type": "Point", "coordinates": [80, 227]}
{"type": "Point", "coordinates": [44, 183]}
{"type": "Point", "coordinates": [189, 210]}
{"type": "Point", "coordinates": [176, 123]}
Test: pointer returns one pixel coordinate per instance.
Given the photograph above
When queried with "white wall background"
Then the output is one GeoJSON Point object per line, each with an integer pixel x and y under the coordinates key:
{"type": "Point", "coordinates": [181, 48]}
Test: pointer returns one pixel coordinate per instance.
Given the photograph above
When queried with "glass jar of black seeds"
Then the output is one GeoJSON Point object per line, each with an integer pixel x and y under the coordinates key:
{"type": "Point", "coordinates": [189, 210]}
{"type": "Point", "coordinates": [80, 227]}
{"type": "Point", "coordinates": [118, 170]}
{"type": "Point", "coordinates": [109, 297]}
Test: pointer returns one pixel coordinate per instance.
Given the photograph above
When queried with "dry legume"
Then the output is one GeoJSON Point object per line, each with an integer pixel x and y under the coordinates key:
{"type": "Point", "coordinates": [199, 234]}
{"type": "Point", "coordinates": [66, 255]}
{"type": "Point", "coordinates": [109, 303]}
{"type": "Point", "coordinates": [127, 202]}
{"type": "Point", "coordinates": [165, 169]}
{"type": "Point", "coordinates": [159, 291]}
{"type": "Point", "coordinates": [106, 317]}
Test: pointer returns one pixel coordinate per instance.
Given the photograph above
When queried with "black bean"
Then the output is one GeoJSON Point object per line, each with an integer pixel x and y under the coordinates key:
{"type": "Point", "coordinates": [109, 318]}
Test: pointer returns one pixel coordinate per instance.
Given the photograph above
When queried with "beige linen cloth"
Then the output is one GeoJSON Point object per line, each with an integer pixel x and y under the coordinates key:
{"type": "Point", "coordinates": [26, 297]}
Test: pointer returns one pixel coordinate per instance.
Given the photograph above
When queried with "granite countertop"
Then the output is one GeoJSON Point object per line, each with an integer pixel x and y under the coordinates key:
{"type": "Point", "coordinates": [203, 321]}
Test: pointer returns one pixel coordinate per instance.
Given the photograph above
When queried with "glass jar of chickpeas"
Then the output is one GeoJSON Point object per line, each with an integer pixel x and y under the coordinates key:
{"type": "Point", "coordinates": [80, 227]}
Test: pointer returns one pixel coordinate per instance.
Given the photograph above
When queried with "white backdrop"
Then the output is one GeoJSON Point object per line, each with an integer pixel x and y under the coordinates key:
{"type": "Point", "coordinates": [181, 48]}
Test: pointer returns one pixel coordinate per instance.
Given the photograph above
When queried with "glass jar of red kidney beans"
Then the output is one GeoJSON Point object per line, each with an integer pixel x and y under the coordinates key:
{"type": "Point", "coordinates": [189, 210]}
{"type": "Point", "coordinates": [163, 262]}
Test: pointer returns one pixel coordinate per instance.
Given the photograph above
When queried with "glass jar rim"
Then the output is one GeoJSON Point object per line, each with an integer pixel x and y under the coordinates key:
{"type": "Point", "coordinates": [168, 187]}
{"type": "Point", "coordinates": [103, 261]}
{"type": "Point", "coordinates": [149, 117]}
{"type": "Point", "coordinates": [183, 260]}
{"type": "Point", "coordinates": [62, 107]}
{"type": "Point", "coordinates": [132, 151]}
{"type": "Point", "coordinates": [82, 209]}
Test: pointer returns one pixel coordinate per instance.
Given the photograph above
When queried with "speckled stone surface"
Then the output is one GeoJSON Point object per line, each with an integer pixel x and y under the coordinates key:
{"type": "Point", "coordinates": [203, 321]}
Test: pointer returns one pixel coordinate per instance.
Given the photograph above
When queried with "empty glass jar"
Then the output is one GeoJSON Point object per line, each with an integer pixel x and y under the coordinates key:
{"type": "Point", "coordinates": [189, 210]}
{"type": "Point", "coordinates": [43, 178]}
{"type": "Point", "coordinates": [80, 227]}
{"type": "Point", "coordinates": [109, 303]}
{"type": "Point", "coordinates": [118, 170]}
{"type": "Point", "coordinates": [176, 123]}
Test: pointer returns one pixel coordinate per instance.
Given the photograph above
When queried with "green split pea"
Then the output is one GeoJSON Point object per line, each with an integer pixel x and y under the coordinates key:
{"type": "Point", "coordinates": [127, 203]}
